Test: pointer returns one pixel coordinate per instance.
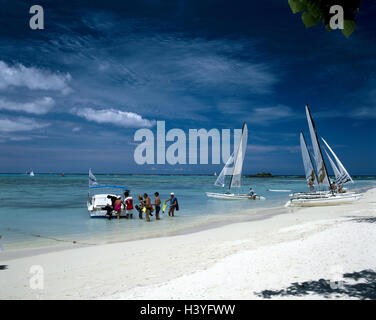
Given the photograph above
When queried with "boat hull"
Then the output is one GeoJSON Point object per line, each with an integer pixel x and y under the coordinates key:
{"type": "Point", "coordinates": [331, 200]}
{"type": "Point", "coordinates": [232, 196]}
{"type": "Point", "coordinates": [319, 194]}
{"type": "Point", "coordinates": [103, 214]}
{"type": "Point", "coordinates": [98, 202]}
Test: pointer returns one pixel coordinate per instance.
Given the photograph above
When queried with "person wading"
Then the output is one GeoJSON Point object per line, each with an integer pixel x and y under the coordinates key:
{"type": "Point", "coordinates": [148, 207]}
{"type": "Point", "coordinates": [157, 204]}
{"type": "Point", "coordinates": [173, 204]}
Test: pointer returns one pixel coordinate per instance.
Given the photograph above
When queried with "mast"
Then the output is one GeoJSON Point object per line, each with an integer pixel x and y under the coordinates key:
{"type": "Point", "coordinates": [320, 163]}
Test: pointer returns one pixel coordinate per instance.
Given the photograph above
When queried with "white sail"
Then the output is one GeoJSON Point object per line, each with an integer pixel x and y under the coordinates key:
{"type": "Point", "coordinates": [32, 173]}
{"type": "Point", "coordinates": [322, 174]}
{"type": "Point", "coordinates": [337, 174]}
{"type": "Point", "coordinates": [239, 158]}
{"type": "Point", "coordinates": [307, 161]}
{"type": "Point", "coordinates": [344, 175]}
{"type": "Point", "coordinates": [226, 171]}
{"type": "Point", "coordinates": [92, 179]}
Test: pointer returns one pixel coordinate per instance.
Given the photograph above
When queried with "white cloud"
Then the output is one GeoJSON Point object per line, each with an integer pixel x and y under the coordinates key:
{"type": "Point", "coordinates": [266, 115]}
{"type": "Point", "coordinates": [20, 124]}
{"type": "Point", "coordinates": [40, 106]}
{"type": "Point", "coordinates": [219, 70]}
{"type": "Point", "coordinates": [364, 113]}
{"type": "Point", "coordinates": [253, 148]}
{"type": "Point", "coordinates": [114, 116]}
{"type": "Point", "coordinates": [16, 138]}
{"type": "Point", "coordinates": [32, 78]}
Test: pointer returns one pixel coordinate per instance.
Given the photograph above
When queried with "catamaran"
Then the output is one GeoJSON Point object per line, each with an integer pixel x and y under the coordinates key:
{"type": "Point", "coordinates": [233, 168]}
{"type": "Point", "coordinates": [320, 178]}
{"type": "Point", "coordinates": [97, 203]}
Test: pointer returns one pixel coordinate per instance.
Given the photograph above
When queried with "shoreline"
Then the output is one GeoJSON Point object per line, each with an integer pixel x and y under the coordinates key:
{"type": "Point", "coordinates": [13, 251]}
{"type": "Point", "coordinates": [207, 259]}
{"type": "Point", "coordinates": [17, 253]}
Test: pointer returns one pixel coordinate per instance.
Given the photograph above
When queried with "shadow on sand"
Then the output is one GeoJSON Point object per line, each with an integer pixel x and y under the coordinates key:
{"type": "Point", "coordinates": [365, 219]}
{"type": "Point", "coordinates": [365, 288]}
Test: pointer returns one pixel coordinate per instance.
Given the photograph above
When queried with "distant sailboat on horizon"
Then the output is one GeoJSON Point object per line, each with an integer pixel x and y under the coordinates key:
{"type": "Point", "coordinates": [31, 174]}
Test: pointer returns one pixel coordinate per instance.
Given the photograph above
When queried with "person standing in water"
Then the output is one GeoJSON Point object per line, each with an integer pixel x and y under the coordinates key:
{"type": "Point", "coordinates": [117, 206]}
{"type": "Point", "coordinates": [109, 208]}
{"type": "Point", "coordinates": [128, 203]}
{"type": "Point", "coordinates": [157, 204]}
{"type": "Point", "coordinates": [148, 207]}
{"type": "Point", "coordinates": [140, 206]}
{"type": "Point", "coordinates": [173, 204]}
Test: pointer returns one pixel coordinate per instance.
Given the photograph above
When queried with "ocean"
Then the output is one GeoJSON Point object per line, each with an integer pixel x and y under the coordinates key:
{"type": "Point", "coordinates": [49, 210]}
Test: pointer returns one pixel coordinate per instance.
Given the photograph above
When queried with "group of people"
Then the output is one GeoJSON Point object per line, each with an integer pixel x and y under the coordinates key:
{"type": "Point", "coordinates": [332, 187]}
{"type": "Point", "coordinates": [144, 205]}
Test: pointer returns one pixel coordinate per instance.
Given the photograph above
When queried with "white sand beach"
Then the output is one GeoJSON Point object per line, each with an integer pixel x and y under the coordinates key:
{"type": "Point", "coordinates": [236, 261]}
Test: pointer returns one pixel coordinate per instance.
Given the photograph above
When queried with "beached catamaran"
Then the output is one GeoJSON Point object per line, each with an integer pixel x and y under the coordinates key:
{"type": "Point", "coordinates": [233, 168]}
{"type": "Point", "coordinates": [322, 195]}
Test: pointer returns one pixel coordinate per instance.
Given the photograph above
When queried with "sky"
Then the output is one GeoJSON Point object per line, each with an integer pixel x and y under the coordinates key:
{"type": "Point", "coordinates": [73, 94]}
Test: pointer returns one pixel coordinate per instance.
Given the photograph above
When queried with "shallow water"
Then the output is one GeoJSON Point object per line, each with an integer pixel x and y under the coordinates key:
{"type": "Point", "coordinates": [47, 209]}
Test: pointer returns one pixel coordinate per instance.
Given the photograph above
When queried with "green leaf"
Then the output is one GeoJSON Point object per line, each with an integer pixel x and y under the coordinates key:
{"type": "Point", "coordinates": [309, 20]}
{"type": "Point", "coordinates": [314, 10]}
{"type": "Point", "coordinates": [297, 5]}
{"type": "Point", "coordinates": [348, 27]}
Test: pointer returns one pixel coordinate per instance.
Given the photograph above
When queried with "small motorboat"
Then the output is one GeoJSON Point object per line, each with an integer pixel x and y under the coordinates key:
{"type": "Point", "coordinates": [97, 203]}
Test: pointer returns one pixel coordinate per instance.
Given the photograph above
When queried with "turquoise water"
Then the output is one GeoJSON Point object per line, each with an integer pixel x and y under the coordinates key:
{"type": "Point", "coordinates": [48, 209]}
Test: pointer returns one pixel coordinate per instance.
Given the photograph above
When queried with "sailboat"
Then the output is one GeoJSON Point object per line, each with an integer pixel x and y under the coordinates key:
{"type": "Point", "coordinates": [310, 172]}
{"type": "Point", "coordinates": [31, 174]}
{"type": "Point", "coordinates": [233, 168]}
{"type": "Point", "coordinates": [320, 177]}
